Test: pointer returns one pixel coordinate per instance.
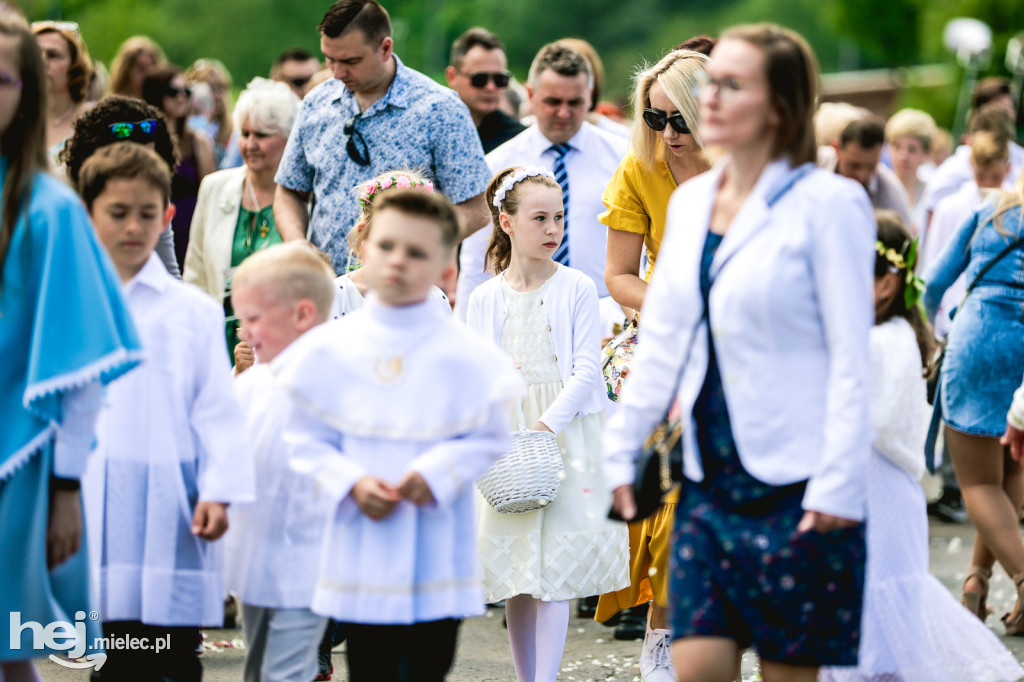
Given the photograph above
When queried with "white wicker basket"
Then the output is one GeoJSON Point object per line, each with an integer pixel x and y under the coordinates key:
{"type": "Point", "coordinates": [527, 477]}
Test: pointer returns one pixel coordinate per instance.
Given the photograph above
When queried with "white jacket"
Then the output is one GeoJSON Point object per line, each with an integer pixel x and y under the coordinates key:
{"type": "Point", "coordinates": [791, 308]}
{"type": "Point", "coordinates": [574, 323]}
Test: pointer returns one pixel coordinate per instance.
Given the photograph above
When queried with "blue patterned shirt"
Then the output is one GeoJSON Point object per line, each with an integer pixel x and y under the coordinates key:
{"type": "Point", "coordinates": [417, 125]}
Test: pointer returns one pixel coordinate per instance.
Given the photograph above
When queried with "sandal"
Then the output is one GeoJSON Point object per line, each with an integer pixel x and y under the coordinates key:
{"type": "Point", "coordinates": [976, 601]}
{"type": "Point", "coordinates": [1014, 621]}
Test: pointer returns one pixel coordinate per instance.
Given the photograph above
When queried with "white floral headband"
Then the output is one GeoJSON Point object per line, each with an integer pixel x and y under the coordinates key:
{"type": "Point", "coordinates": [518, 176]}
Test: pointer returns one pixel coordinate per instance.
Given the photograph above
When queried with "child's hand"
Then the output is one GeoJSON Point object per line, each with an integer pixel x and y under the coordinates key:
{"type": "Point", "coordinates": [64, 532]}
{"type": "Point", "coordinates": [823, 523]}
{"type": "Point", "coordinates": [210, 520]}
{"type": "Point", "coordinates": [1014, 438]}
{"type": "Point", "coordinates": [415, 489]}
{"type": "Point", "coordinates": [375, 498]}
{"type": "Point", "coordinates": [244, 357]}
{"type": "Point", "coordinates": [541, 426]}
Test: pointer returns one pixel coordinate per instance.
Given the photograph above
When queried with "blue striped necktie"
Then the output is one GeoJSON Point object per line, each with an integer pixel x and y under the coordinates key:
{"type": "Point", "coordinates": [560, 150]}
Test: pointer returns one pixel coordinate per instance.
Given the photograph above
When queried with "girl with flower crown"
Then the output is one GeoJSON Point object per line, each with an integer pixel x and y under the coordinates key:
{"type": "Point", "coordinates": [352, 286]}
{"type": "Point", "coordinates": [911, 627]}
{"type": "Point", "coordinates": [545, 316]}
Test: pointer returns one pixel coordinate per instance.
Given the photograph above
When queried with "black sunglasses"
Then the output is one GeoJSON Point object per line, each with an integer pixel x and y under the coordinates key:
{"type": "Point", "coordinates": [299, 81]}
{"type": "Point", "coordinates": [657, 120]}
{"type": "Point", "coordinates": [356, 147]}
{"type": "Point", "coordinates": [173, 91]}
{"type": "Point", "coordinates": [479, 80]}
{"type": "Point", "coordinates": [138, 130]}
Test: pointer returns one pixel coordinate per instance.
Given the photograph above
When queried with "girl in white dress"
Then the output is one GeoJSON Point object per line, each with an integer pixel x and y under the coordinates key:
{"type": "Point", "coordinates": [911, 628]}
{"type": "Point", "coordinates": [545, 316]}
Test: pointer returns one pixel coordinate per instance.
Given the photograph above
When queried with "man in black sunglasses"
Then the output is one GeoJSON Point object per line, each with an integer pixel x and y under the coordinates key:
{"type": "Point", "coordinates": [375, 115]}
{"type": "Point", "coordinates": [478, 72]}
{"type": "Point", "coordinates": [296, 67]}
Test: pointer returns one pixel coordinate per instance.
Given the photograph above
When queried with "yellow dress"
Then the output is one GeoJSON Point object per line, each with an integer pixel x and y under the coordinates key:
{"type": "Point", "coordinates": [636, 200]}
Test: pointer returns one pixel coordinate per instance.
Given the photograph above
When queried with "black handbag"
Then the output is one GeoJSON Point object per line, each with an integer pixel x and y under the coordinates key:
{"type": "Point", "coordinates": [935, 369]}
{"type": "Point", "coordinates": [657, 469]}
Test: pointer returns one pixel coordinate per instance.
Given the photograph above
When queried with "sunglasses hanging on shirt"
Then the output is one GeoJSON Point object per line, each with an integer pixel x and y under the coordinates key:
{"type": "Point", "coordinates": [657, 120]}
{"type": "Point", "coordinates": [356, 147]}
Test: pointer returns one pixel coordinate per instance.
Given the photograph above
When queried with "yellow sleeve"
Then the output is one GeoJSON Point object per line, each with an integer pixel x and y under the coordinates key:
{"type": "Point", "coordinates": [625, 210]}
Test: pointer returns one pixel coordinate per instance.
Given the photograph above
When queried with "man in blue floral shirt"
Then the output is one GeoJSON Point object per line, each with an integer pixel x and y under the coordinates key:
{"type": "Point", "coordinates": [375, 115]}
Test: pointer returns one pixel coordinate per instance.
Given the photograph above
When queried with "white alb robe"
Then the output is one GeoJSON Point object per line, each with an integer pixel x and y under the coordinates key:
{"type": "Point", "coordinates": [381, 392]}
{"type": "Point", "coordinates": [172, 434]}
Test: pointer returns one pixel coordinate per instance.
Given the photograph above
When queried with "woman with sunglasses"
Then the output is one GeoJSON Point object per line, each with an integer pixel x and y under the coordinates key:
{"type": "Point", "coordinates": [755, 329]}
{"type": "Point", "coordinates": [65, 332]}
{"type": "Point", "coordinates": [166, 89]}
{"type": "Point", "coordinates": [68, 75]}
{"type": "Point", "coordinates": [234, 216]}
{"type": "Point", "coordinates": [667, 150]}
{"type": "Point", "coordinates": [119, 119]}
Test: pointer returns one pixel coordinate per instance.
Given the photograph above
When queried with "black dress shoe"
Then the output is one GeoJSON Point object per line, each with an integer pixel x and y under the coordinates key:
{"type": "Point", "coordinates": [632, 623]}
{"type": "Point", "coordinates": [949, 507]}
{"type": "Point", "coordinates": [586, 607]}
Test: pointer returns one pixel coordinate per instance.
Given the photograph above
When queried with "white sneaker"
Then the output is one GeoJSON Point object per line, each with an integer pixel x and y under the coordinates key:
{"type": "Point", "coordinates": [655, 661]}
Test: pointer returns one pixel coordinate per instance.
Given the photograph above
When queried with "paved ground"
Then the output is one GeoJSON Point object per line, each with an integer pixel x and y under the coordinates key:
{"type": "Point", "coordinates": [591, 652]}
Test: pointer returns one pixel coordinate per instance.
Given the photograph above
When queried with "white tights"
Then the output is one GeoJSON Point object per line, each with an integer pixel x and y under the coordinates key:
{"type": "Point", "coordinates": [536, 631]}
{"type": "Point", "coordinates": [19, 671]}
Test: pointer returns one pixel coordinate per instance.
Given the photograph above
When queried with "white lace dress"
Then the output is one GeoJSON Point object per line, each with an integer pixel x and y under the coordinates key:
{"type": "Point", "coordinates": [568, 549]}
{"type": "Point", "coordinates": [912, 628]}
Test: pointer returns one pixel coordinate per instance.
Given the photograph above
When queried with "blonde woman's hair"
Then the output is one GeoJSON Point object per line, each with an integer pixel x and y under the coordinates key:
{"type": "Point", "coordinates": [911, 123]}
{"type": "Point", "coordinates": [499, 250]}
{"type": "Point", "coordinates": [676, 73]}
{"type": "Point", "coordinates": [124, 60]}
{"type": "Point", "coordinates": [831, 119]}
{"type": "Point", "coordinates": [294, 271]}
{"type": "Point", "coordinates": [1009, 200]}
{"type": "Point", "coordinates": [356, 236]}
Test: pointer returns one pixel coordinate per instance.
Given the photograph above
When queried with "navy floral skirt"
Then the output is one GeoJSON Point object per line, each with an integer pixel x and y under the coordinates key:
{"type": "Point", "coordinates": [795, 598]}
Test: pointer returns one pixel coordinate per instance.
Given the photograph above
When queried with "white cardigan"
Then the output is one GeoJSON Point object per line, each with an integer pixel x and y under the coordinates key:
{"type": "Point", "coordinates": [574, 322]}
{"type": "Point", "coordinates": [208, 258]}
{"type": "Point", "coordinates": [791, 308]}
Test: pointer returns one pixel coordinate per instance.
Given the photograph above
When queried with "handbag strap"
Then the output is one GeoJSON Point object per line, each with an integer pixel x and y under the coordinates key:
{"type": "Point", "coordinates": [522, 417]}
{"type": "Point", "coordinates": [992, 263]}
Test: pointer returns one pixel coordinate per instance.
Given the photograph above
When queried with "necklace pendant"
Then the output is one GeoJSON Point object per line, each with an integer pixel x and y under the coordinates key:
{"type": "Point", "coordinates": [388, 370]}
{"type": "Point", "coordinates": [264, 230]}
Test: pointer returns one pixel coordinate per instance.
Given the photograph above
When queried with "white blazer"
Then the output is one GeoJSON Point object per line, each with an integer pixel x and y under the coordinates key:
{"type": "Point", "coordinates": [208, 258]}
{"type": "Point", "coordinates": [791, 307]}
{"type": "Point", "coordinates": [574, 323]}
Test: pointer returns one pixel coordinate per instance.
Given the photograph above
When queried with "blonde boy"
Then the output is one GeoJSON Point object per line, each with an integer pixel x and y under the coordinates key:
{"type": "Point", "coordinates": [273, 546]}
{"type": "Point", "coordinates": [399, 410]}
{"type": "Point", "coordinates": [168, 458]}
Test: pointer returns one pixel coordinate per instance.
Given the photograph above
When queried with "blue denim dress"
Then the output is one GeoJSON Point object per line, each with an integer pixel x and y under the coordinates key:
{"type": "Point", "coordinates": [984, 359]}
{"type": "Point", "coordinates": [739, 571]}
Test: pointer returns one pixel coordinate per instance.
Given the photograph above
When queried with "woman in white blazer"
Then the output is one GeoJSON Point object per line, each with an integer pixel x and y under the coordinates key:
{"type": "Point", "coordinates": [763, 340]}
{"type": "Point", "coordinates": [234, 214]}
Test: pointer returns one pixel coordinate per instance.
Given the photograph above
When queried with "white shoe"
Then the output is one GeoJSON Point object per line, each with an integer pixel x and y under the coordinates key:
{"type": "Point", "coordinates": [655, 661]}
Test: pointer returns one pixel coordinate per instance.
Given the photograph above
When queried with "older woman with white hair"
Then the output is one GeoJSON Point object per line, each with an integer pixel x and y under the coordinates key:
{"type": "Point", "coordinates": [234, 215]}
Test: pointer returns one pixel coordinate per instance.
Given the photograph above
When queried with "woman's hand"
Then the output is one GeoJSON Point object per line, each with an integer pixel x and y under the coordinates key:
{"type": "Point", "coordinates": [541, 426]}
{"type": "Point", "coordinates": [244, 357]}
{"type": "Point", "coordinates": [823, 523]}
{"type": "Point", "coordinates": [64, 532]}
{"type": "Point", "coordinates": [1014, 439]}
{"type": "Point", "coordinates": [623, 503]}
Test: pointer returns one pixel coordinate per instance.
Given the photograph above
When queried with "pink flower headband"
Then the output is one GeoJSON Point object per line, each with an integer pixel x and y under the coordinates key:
{"type": "Point", "coordinates": [396, 180]}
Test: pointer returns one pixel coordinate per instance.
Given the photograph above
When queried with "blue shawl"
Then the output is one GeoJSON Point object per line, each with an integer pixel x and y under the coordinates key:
{"type": "Point", "coordinates": [63, 320]}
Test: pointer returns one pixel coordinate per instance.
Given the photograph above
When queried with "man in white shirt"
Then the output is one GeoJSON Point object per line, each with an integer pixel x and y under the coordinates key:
{"type": "Point", "coordinates": [559, 88]}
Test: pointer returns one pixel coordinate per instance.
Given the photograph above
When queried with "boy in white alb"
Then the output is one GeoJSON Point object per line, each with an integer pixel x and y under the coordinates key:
{"type": "Point", "coordinates": [171, 452]}
{"type": "Point", "coordinates": [397, 411]}
{"type": "Point", "coordinates": [273, 546]}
